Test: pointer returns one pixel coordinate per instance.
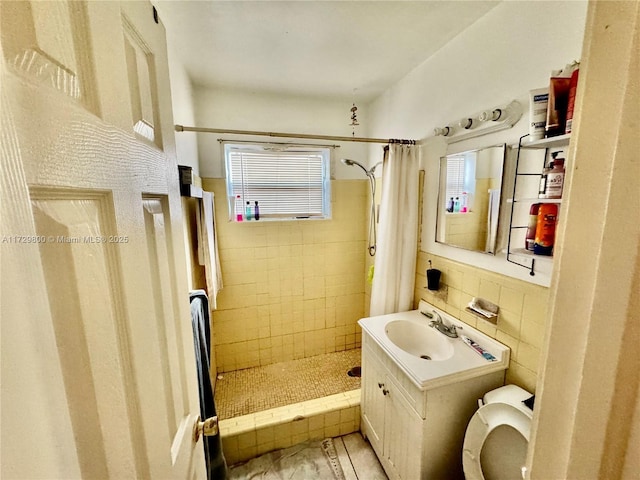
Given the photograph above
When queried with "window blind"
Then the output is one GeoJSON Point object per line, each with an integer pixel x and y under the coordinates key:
{"type": "Point", "coordinates": [286, 184]}
{"type": "Point", "coordinates": [455, 177]}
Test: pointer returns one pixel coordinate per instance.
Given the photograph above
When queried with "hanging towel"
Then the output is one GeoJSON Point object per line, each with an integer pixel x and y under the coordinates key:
{"type": "Point", "coordinates": [208, 246]}
{"type": "Point", "coordinates": [214, 458]}
{"type": "Point", "coordinates": [492, 220]}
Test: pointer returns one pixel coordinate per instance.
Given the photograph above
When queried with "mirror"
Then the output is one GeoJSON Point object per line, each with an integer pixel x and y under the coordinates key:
{"type": "Point", "coordinates": [469, 198]}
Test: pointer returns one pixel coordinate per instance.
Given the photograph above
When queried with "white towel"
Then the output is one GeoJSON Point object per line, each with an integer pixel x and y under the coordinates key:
{"type": "Point", "coordinates": [208, 247]}
{"type": "Point", "coordinates": [492, 220]}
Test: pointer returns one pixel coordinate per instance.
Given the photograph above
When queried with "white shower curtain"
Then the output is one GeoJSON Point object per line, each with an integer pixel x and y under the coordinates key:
{"type": "Point", "coordinates": [395, 261]}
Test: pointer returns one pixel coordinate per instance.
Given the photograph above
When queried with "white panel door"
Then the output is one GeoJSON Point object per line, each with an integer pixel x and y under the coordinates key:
{"type": "Point", "coordinates": [98, 368]}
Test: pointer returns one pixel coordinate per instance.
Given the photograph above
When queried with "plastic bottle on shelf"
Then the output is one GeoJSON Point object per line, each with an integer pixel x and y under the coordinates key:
{"type": "Point", "coordinates": [247, 211]}
{"type": "Point", "coordinates": [256, 211]}
{"type": "Point", "coordinates": [573, 88]}
{"type": "Point", "coordinates": [238, 208]}
{"type": "Point", "coordinates": [450, 205]}
{"type": "Point", "coordinates": [545, 229]}
{"type": "Point", "coordinates": [463, 203]}
{"type": "Point", "coordinates": [531, 227]}
{"type": "Point", "coordinates": [555, 178]}
{"type": "Point", "coordinates": [456, 205]}
{"type": "Point", "coordinates": [542, 189]}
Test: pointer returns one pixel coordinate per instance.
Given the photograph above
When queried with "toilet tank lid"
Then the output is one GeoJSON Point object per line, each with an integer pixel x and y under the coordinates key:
{"type": "Point", "coordinates": [511, 394]}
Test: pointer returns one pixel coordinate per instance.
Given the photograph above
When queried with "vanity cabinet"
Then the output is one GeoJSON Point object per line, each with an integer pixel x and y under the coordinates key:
{"type": "Point", "coordinates": [393, 427]}
{"type": "Point", "coordinates": [525, 194]}
{"type": "Point", "coordinates": [416, 433]}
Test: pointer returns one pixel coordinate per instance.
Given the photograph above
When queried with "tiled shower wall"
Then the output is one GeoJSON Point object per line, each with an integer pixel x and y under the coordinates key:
{"type": "Point", "coordinates": [292, 289]}
{"type": "Point", "coordinates": [521, 320]}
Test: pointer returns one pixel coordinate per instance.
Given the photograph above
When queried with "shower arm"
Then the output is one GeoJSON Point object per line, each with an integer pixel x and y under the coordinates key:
{"type": "Point", "coordinates": [372, 214]}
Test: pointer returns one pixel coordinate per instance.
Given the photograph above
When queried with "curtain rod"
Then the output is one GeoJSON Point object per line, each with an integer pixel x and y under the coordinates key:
{"type": "Point", "coordinates": [253, 142]}
{"type": "Point", "coordinates": [181, 128]}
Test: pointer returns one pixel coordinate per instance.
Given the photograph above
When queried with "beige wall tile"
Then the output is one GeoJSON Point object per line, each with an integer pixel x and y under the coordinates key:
{"type": "Point", "coordinates": [511, 299]}
{"type": "Point", "coordinates": [523, 309]}
{"type": "Point", "coordinates": [296, 270]}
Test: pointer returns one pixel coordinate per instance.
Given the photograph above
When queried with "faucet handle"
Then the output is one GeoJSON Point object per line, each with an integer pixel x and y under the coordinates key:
{"type": "Point", "coordinates": [452, 329]}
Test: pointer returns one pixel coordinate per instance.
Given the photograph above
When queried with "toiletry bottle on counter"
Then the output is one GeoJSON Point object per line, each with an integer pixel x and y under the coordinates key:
{"type": "Point", "coordinates": [531, 227]}
{"type": "Point", "coordinates": [545, 229]}
{"type": "Point", "coordinates": [256, 211]}
{"type": "Point", "coordinates": [463, 203]}
{"type": "Point", "coordinates": [248, 214]}
{"type": "Point", "coordinates": [456, 205]}
{"type": "Point", "coordinates": [555, 178]}
{"type": "Point", "coordinates": [238, 208]}
{"type": "Point", "coordinates": [450, 205]}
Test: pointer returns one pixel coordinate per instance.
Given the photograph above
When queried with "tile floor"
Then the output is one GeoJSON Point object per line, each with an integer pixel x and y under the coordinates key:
{"type": "Point", "coordinates": [357, 458]}
{"type": "Point", "coordinates": [252, 390]}
{"type": "Point", "coordinates": [355, 455]}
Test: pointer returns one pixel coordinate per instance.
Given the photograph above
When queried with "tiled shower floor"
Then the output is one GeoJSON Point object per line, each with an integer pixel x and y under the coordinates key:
{"type": "Point", "coordinates": [252, 390]}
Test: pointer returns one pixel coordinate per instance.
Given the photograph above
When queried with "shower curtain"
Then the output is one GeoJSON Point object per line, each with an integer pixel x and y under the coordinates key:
{"type": "Point", "coordinates": [395, 261]}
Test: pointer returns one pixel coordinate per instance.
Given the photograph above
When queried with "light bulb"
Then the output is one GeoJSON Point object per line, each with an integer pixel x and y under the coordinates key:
{"type": "Point", "coordinates": [466, 123]}
{"type": "Point", "coordinates": [490, 115]}
{"type": "Point", "coordinates": [444, 131]}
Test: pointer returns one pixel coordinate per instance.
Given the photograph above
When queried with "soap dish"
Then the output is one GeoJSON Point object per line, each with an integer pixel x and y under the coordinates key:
{"type": "Point", "coordinates": [484, 309]}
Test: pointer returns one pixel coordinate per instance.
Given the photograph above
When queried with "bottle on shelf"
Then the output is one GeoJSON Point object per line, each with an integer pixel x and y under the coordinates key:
{"type": "Point", "coordinates": [531, 227]}
{"type": "Point", "coordinates": [573, 87]}
{"type": "Point", "coordinates": [542, 189]}
{"type": "Point", "coordinates": [238, 208]}
{"type": "Point", "coordinates": [256, 211]}
{"type": "Point", "coordinates": [247, 211]}
{"type": "Point", "coordinates": [555, 178]}
{"type": "Point", "coordinates": [463, 203]}
{"type": "Point", "coordinates": [450, 205]}
{"type": "Point", "coordinates": [456, 205]}
{"type": "Point", "coordinates": [545, 229]}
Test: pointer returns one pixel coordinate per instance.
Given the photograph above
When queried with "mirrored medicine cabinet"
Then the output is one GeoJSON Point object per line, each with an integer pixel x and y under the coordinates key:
{"type": "Point", "coordinates": [469, 196]}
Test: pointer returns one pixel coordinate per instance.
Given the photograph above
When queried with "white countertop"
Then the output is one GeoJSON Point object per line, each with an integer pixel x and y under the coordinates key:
{"type": "Point", "coordinates": [465, 363]}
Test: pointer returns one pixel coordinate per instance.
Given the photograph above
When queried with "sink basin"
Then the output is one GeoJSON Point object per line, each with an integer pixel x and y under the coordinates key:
{"type": "Point", "coordinates": [419, 340]}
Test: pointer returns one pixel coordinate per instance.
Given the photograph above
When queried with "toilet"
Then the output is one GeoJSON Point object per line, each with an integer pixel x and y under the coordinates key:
{"type": "Point", "coordinates": [497, 437]}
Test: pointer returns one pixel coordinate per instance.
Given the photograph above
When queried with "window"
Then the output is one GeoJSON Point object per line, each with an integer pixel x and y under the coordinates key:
{"type": "Point", "coordinates": [455, 177]}
{"type": "Point", "coordinates": [287, 181]}
{"type": "Point", "coordinates": [461, 179]}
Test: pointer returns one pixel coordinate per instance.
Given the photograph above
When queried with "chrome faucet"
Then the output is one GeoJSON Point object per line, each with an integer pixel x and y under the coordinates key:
{"type": "Point", "coordinates": [438, 324]}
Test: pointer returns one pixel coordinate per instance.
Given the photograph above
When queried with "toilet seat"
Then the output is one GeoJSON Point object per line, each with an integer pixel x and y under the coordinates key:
{"type": "Point", "coordinates": [486, 419]}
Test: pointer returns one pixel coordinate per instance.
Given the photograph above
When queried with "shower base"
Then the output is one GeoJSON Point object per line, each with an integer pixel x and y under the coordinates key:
{"type": "Point", "coordinates": [277, 406]}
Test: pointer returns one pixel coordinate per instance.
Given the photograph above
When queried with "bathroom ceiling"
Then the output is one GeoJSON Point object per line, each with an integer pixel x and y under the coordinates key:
{"type": "Point", "coordinates": [338, 49]}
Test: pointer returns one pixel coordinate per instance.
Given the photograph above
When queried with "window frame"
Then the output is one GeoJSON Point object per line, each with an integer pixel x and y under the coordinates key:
{"type": "Point", "coordinates": [324, 152]}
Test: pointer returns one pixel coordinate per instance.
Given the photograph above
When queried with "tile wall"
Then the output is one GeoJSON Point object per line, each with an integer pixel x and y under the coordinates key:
{"type": "Point", "coordinates": [523, 310]}
{"type": "Point", "coordinates": [250, 435]}
{"type": "Point", "coordinates": [292, 289]}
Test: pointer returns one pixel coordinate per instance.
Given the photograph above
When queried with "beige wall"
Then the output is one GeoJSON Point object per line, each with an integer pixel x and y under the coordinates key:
{"type": "Point", "coordinates": [292, 289]}
{"type": "Point", "coordinates": [523, 310]}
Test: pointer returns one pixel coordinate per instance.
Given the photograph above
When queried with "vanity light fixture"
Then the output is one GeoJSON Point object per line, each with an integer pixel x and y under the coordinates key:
{"type": "Point", "coordinates": [485, 122]}
{"type": "Point", "coordinates": [444, 131]}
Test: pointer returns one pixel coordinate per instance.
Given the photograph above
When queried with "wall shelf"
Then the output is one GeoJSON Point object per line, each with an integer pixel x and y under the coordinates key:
{"type": "Point", "coordinates": [190, 183]}
{"type": "Point", "coordinates": [534, 200]}
{"type": "Point", "coordinates": [523, 257]}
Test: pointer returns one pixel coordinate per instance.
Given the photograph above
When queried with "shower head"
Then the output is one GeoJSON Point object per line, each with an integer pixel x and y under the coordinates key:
{"type": "Point", "coordinates": [349, 163]}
